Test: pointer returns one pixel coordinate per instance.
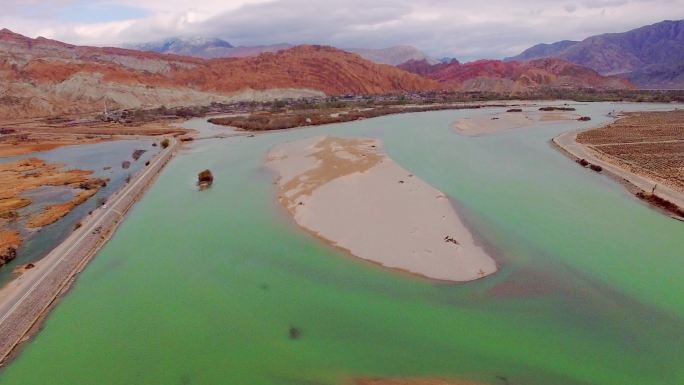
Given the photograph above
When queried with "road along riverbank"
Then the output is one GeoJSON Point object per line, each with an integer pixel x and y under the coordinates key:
{"type": "Point", "coordinates": [26, 301]}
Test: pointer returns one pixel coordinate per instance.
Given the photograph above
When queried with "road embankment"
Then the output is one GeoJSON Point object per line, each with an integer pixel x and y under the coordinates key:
{"type": "Point", "coordinates": [26, 301]}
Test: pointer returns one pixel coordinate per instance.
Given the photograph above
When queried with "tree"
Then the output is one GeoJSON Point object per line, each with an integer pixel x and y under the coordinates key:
{"type": "Point", "coordinates": [165, 143]}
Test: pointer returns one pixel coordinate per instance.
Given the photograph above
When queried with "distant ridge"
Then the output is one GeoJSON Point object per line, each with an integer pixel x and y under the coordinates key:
{"type": "Point", "coordinates": [543, 50]}
{"type": "Point", "coordinates": [212, 48]}
{"type": "Point", "coordinates": [392, 55]}
{"type": "Point", "coordinates": [206, 48]}
{"type": "Point", "coordinates": [650, 56]}
{"type": "Point", "coordinates": [514, 76]}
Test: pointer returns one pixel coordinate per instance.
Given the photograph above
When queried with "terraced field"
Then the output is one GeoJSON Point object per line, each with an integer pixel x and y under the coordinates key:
{"type": "Point", "coordinates": [647, 143]}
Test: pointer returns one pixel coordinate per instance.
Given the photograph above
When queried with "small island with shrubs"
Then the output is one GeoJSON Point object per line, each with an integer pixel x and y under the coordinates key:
{"type": "Point", "coordinates": [205, 179]}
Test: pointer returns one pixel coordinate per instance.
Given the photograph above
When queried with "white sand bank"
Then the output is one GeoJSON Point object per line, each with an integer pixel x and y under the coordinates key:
{"type": "Point", "coordinates": [499, 121]}
{"type": "Point", "coordinates": [348, 192]}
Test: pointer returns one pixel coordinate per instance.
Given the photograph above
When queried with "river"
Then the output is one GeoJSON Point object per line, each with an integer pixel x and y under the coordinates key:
{"type": "Point", "coordinates": [203, 287]}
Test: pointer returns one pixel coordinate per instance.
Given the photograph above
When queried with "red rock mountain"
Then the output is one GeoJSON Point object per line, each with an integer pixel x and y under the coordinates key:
{"type": "Point", "coordinates": [47, 77]}
{"type": "Point", "coordinates": [514, 76]}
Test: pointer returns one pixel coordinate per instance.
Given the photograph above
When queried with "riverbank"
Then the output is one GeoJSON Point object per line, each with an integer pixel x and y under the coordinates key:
{"type": "Point", "coordinates": [281, 120]}
{"type": "Point", "coordinates": [26, 136]}
{"type": "Point", "coordinates": [25, 301]}
{"type": "Point", "coordinates": [639, 184]}
{"type": "Point", "coordinates": [351, 194]}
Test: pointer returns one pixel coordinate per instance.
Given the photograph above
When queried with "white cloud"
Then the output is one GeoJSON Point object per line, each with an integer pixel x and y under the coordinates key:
{"type": "Point", "coordinates": [464, 29]}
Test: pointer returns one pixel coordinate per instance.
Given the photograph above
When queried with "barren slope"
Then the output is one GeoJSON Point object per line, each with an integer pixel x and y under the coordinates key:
{"type": "Point", "coordinates": [514, 76]}
{"type": "Point", "coordinates": [46, 77]}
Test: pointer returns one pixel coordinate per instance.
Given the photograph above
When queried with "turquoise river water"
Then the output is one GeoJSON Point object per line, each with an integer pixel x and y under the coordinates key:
{"type": "Point", "coordinates": [203, 287]}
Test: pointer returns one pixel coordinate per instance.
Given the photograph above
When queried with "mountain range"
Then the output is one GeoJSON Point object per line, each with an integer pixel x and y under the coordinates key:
{"type": "Point", "coordinates": [651, 56]}
{"type": "Point", "coordinates": [44, 77]}
{"type": "Point", "coordinates": [513, 76]}
{"type": "Point", "coordinates": [47, 77]}
{"type": "Point", "coordinates": [206, 48]}
{"type": "Point", "coordinates": [211, 48]}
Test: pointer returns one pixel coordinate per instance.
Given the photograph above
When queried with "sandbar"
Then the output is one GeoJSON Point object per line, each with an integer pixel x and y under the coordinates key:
{"type": "Point", "coordinates": [351, 194]}
{"type": "Point", "coordinates": [500, 121]}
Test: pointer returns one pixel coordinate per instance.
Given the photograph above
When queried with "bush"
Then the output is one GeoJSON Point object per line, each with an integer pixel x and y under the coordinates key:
{"type": "Point", "coordinates": [205, 176]}
{"type": "Point", "coordinates": [164, 143]}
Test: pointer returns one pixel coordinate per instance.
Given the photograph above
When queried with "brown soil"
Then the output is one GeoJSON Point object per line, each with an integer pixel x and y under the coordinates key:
{"type": "Point", "coordinates": [650, 144]}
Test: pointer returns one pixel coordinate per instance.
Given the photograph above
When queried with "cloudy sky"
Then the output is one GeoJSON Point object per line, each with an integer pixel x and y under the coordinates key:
{"type": "Point", "coordinates": [466, 30]}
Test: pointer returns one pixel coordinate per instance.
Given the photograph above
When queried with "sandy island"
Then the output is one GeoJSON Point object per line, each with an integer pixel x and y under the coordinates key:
{"type": "Point", "coordinates": [495, 122]}
{"type": "Point", "coordinates": [348, 192]}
